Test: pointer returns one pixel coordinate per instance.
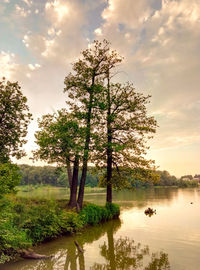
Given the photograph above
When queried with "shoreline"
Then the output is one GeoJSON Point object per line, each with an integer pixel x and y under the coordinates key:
{"type": "Point", "coordinates": [31, 222]}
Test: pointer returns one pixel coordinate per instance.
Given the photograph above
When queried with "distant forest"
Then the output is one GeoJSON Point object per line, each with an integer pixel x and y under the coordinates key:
{"type": "Point", "coordinates": [49, 175]}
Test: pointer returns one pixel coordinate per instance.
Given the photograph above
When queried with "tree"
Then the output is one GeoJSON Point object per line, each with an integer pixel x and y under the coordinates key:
{"type": "Point", "coordinates": [188, 176]}
{"type": "Point", "coordinates": [60, 141]}
{"type": "Point", "coordinates": [9, 177]}
{"type": "Point", "coordinates": [14, 120]}
{"type": "Point", "coordinates": [124, 130]}
{"type": "Point", "coordinates": [83, 88]}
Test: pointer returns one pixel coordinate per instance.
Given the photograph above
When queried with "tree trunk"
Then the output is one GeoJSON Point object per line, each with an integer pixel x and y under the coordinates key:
{"type": "Point", "coordinates": [69, 173]}
{"type": "Point", "coordinates": [109, 165]}
{"type": "Point", "coordinates": [86, 149]}
{"type": "Point", "coordinates": [109, 147]}
{"type": "Point", "coordinates": [73, 190]}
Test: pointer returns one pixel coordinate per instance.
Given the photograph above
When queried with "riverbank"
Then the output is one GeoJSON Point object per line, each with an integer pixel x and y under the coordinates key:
{"type": "Point", "coordinates": [27, 222]}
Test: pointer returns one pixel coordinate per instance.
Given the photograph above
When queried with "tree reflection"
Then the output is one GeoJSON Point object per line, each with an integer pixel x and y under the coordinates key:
{"type": "Point", "coordinates": [124, 253]}
{"type": "Point", "coordinates": [121, 253]}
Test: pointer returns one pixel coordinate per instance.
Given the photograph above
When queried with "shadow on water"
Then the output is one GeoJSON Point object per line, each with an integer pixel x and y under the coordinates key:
{"type": "Point", "coordinates": [113, 254]}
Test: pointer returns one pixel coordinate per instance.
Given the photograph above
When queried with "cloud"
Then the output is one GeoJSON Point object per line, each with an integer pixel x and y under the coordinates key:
{"type": "Point", "coordinates": [160, 43]}
{"type": "Point", "coordinates": [7, 64]}
{"type": "Point", "coordinates": [28, 2]}
{"type": "Point", "coordinates": [57, 9]}
{"type": "Point", "coordinates": [22, 12]}
{"type": "Point", "coordinates": [130, 13]}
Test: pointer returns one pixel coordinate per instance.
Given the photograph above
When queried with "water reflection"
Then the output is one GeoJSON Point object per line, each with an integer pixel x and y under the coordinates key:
{"type": "Point", "coordinates": [141, 198]}
{"type": "Point", "coordinates": [110, 253]}
{"type": "Point", "coordinates": [124, 253]}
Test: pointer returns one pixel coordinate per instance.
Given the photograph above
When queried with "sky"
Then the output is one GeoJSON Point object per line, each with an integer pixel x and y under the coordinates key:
{"type": "Point", "coordinates": [160, 43]}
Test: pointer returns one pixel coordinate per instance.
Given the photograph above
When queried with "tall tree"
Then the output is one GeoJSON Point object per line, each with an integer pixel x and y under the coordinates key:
{"type": "Point", "coordinates": [14, 120]}
{"type": "Point", "coordinates": [83, 88]}
{"type": "Point", "coordinates": [125, 128]}
{"type": "Point", "coordinates": [60, 141]}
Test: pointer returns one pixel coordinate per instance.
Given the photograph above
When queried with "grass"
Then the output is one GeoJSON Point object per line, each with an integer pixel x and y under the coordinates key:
{"type": "Point", "coordinates": [51, 192]}
{"type": "Point", "coordinates": [26, 222]}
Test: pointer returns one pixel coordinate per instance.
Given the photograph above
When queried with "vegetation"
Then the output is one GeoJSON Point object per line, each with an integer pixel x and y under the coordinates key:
{"type": "Point", "coordinates": [49, 175]}
{"type": "Point", "coordinates": [9, 178]}
{"type": "Point", "coordinates": [60, 140]}
{"type": "Point", "coordinates": [106, 124]}
{"type": "Point", "coordinates": [127, 124]}
{"type": "Point", "coordinates": [26, 222]}
{"type": "Point", "coordinates": [84, 89]}
{"type": "Point", "coordinates": [14, 120]}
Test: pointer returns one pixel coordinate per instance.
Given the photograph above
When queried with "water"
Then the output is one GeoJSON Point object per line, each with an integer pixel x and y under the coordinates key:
{"type": "Point", "coordinates": [169, 239]}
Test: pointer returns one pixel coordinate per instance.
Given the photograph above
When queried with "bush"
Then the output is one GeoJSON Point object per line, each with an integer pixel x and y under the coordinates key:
{"type": "Point", "coordinates": [93, 214]}
{"type": "Point", "coordinates": [9, 177]}
{"type": "Point", "coordinates": [12, 236]}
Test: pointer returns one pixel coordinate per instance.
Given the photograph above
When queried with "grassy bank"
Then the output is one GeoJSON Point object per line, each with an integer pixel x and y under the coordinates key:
{"type": "Point", "coordinates": [51, 192]}
{"type": "Point", "coordinates": [27, 222]}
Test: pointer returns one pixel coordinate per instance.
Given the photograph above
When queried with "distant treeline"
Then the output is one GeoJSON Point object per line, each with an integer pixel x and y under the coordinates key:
{"type": "Point", "coordinates": [49, 175]}
{"type": "Point", "coordinates": [166, 179]}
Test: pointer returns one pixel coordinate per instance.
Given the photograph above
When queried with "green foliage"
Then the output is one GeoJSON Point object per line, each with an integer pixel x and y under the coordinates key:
{"type": "Point", "coordinates": [14, 120]}
{"type": "Point", "coordinates": [188, 176]}
{"type": "Point", "coordinates": [93, 214]}
{"type": "Point", "coordinates": [70, 222]}
{"type": "Point", "coordinates": [129, 127]}
{"type": "Point", "coordinates": [9, 177]}
{"type": "Point", "coordinates": [43, 222]}
{"type": "Point", "coordinates": [25, 222]}
{"type": "Point", "coordinates": [58, 138]}
{"type": "Point", "coordinates": [187, 183]}
{"type": "Point", "coordinates": [166, 179]}
{"type": "Point", "coordinates": [12, 236]}
{"type": "Point", "coordinates": [113, 208]}
{"type": "Point", "coordinates": [36, 175]}
{"type": "Point", "coordinates": [49, 175]}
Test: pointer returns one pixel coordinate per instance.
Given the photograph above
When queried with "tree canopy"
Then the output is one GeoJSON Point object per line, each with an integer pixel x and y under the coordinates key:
{"type": "Point", "coordinates": [9, 177]}
{"type": "Point", "coordinates": [14, 120]}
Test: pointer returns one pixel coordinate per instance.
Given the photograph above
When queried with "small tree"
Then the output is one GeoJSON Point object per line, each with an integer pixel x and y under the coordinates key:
{"type": "Point", "coordinates": [9, 177]}
{"type": "Point", "coordinates": [60, 141]}
{"type": "Point", "coordinates": [14, 120]}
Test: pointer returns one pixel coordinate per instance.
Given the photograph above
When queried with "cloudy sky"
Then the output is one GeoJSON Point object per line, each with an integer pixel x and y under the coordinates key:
{"type": "Point", "coordinates": [160, 42]}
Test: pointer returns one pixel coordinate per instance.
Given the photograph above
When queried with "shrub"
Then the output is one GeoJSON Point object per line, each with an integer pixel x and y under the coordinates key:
{"type": "Point", "coordinates": [43, 222]}
{"type": "Point", "coordinates": [70, 222]}
{"type": "Point", "coordinates": [93, 214]}
{"type": "Point", "coordinates": [12, 236]}
{"type": "Point", "coordinates": [9, 177]}
{"type": "Point", "coordinates": [114, 209]}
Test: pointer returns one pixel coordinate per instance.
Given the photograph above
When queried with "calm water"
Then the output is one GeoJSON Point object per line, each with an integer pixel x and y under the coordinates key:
{"type": "Point", "coordinates": [168, 240]}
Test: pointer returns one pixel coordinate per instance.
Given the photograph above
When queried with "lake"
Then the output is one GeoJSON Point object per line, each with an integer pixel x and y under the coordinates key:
{"type": "Point", "coordinates": [169, 239]}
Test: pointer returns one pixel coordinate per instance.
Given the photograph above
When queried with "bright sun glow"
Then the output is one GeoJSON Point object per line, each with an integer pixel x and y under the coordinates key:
{"type": "Point", "coordinates": [61, 9]}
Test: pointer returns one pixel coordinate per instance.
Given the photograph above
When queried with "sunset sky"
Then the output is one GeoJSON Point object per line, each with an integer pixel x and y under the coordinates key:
{"type": "Point", "coordinates": [160, 42]}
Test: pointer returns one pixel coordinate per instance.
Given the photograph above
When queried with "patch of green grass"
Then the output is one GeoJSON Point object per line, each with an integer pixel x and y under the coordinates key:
{"type": "Point", "coordinates": [26, 222]}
